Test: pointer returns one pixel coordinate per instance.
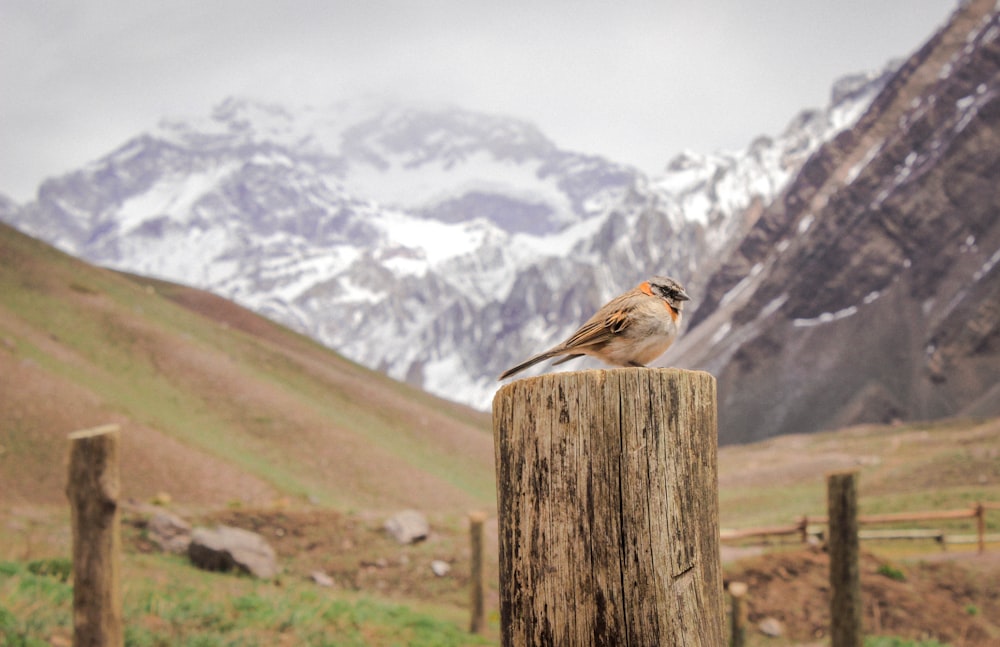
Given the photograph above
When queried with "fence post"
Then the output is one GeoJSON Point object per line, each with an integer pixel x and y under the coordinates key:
{"type": "Point", "coordinates": [738, 614]}
{"type": "Point", "coordinates": [981, 526]}
{"type": "Point", "coordinates": [607, 487]}
{"type": "Point", "coordinates": [845, 579]}
{"type": "Point", "coordinates": [476, 621]}
{"type": "Point", "coordinates": [93, 490]}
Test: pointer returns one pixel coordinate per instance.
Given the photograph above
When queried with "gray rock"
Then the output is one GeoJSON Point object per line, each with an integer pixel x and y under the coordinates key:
{"type": "Point", "coordinates": [321, 578]}
{"type": "Point", "coordinates": [225, 548]}
{"type": "Point", "coordinates": [169, 532]}
{"type": "Point", "coordinates": [771, 627]}
{"type": "Point", "coordinates": [408, 526]}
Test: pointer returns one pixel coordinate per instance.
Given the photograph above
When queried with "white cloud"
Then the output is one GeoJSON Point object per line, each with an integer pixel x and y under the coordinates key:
{"type": "Point", "coordinates": [637, 81]}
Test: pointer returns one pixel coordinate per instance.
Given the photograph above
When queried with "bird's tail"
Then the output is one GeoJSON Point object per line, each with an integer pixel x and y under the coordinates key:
{"type": "Point", "coordinates": [528, 363]}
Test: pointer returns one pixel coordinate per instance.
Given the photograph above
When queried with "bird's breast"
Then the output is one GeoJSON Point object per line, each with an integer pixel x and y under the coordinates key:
{"type": "Point", "coordinates": [645, 340]}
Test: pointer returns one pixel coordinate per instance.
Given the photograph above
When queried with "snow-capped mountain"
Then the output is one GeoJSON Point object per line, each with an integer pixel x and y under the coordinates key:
{"type": "Point", "coordinates": [842, 271]}
{"type": "Point", "coordinates": [438, 245]}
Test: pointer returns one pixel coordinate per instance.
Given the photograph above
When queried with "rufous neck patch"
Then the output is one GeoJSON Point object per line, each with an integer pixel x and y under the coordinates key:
{"type": "Point", "coordinates": [645, 289]}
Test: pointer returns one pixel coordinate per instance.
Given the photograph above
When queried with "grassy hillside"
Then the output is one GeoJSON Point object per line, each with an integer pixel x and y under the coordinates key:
{"type": "Point", "coordinates": [905, 468]}
{"type": "Point", "coordinates": [216, 404]}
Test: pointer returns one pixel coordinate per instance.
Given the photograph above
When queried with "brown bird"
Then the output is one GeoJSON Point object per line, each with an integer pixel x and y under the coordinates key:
{"type": "Point", "coordinates": [632, 329]}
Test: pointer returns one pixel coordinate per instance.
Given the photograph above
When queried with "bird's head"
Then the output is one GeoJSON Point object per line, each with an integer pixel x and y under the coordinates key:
{"type": "Point", "coordinates": [669, 290]}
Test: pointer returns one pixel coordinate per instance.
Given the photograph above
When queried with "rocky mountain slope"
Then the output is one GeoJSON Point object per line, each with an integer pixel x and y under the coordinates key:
{"type": "Point", "coordinates": [869, 290]}
{"type": "Point", "coordinates": [437, 245]}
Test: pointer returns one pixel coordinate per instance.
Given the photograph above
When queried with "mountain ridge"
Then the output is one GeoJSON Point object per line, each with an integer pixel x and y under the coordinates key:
{"type": "Point", "coordinates": [867, 291]}
{"type": "Point", "coordinates": [437, 246]}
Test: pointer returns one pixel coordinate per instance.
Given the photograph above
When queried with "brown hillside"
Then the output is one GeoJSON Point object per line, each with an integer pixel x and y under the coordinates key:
{"type": "Point", "coordinates": [216, 404]}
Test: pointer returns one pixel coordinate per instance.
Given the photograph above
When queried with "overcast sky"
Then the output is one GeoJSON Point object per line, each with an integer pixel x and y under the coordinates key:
{"type": "Point", "coordinates": [635, 81]}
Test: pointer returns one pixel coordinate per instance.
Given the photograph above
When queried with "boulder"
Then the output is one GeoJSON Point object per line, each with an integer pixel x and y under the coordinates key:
{"type": "Point", "coordinates": [408, 526]}
{"type": "Point", "coordinates": [321, 578]}
{"type": "Point", "coordinates": [771, 627]}
{"type": "Point", "coordinates": [169, 532]}
{"type": "Point", "coordinates": [225, 548]}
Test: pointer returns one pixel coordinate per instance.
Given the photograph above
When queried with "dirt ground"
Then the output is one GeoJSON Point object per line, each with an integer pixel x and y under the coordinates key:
{"type": "Point", "coordinates": [356, 552]}
{"type": "Point", "coordinates": [952, 597]}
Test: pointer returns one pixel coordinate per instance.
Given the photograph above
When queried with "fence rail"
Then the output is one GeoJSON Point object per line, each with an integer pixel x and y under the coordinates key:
{"type": "Point", "coordinates": [806, 527]}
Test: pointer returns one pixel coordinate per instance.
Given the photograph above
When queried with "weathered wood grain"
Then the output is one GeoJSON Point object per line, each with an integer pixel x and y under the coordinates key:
{"type": "Point", "coordinates": [607, 489]}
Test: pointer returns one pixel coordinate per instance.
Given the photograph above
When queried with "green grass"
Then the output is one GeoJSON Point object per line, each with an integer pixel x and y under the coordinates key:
{"type": "Point", "coordinates": [770, 506]}
{"type": "Point", "coordinates": [135, 389]}
{"type": "Point", "coordinates": [891, 572]}
{"type": "Point", "coordinates": [32, 607]}
{"type": "Point", "coordinates": [910, 468]}
{"type": "Point", "coordinates": [177, 606]}
{"type": "Point", "coordinates": [890, 641]}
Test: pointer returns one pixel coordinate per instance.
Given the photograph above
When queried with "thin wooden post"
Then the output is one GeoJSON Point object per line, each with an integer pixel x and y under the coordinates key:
{"type": "Point", "coordinates": [981, 526]}
{"type": "Point", "coordinates": [607, 485]}
{"type": "Point", "coordinates": [477, 619]}
{"type": "Point", "coordinates": [843, 544]}
{"type": "Point", "coordinates": [93, 491]}
{"type": "Point", "coordinates": [738, 614]}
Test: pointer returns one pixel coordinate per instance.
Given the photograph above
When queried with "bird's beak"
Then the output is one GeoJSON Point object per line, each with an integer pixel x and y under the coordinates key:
{"type": "Point", "coordinates": [681, 295]}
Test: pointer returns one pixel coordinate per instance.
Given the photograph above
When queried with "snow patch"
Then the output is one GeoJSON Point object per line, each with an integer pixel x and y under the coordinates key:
{"type": "Point", "coordinates": [529, 248]}
{"type": "Point", "coordinates": [773, 306]}
{"type": "Point", "coordinates": [735, 291]}
{"type": "Point", "coordinates": [825, 318]}
{"type": "Point", "coordinates": [351, 292]}
{"type": "Point", "coordinates": [987, 266]}
{"type": "Point", "coordinates": [965, 102]}
{"type": "Point", "coordinates": [697, 208]}
{"type": "Point", "coordinates": [430, 241]}
{"type": "Point", "coordinates": [865, 161]}
{"type": "Point", "coordinates": [439, 181]}
{"type": "Point", "coordinates": [172, 196]}
{"type": "Point", "coordinates": [721, 333]}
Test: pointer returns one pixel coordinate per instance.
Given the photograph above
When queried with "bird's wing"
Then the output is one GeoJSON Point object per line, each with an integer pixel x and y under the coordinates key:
{"type": "Point", "coordinates": [566, 358]}
{"type": "Point", "coordinates": [599, 330]}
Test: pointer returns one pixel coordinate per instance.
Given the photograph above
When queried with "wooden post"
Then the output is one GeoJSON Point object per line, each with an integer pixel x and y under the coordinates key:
{"type": "Point", "coordinates": [981, 526]}
{"type": "Point", "coordinates": [93, 491]}
{"type": "Point", "coordinates": [607, 485]}
{"type": "Point", "coordinates": [738, 614]}
{"type": "Point", "coordinates": [477, 620]}
{"type": "Point", "coordinates": [845, 580]}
